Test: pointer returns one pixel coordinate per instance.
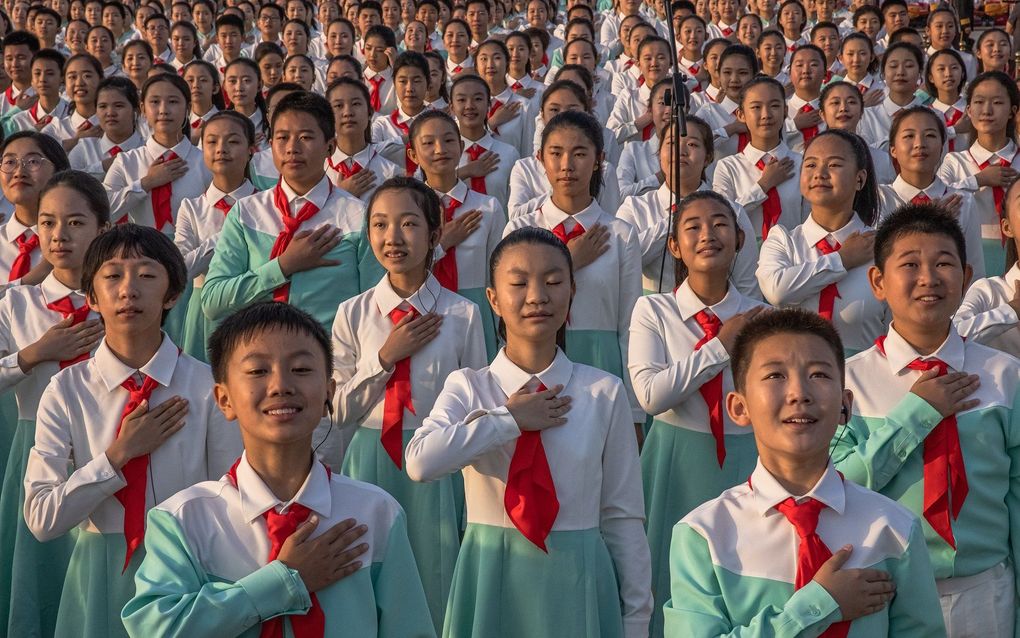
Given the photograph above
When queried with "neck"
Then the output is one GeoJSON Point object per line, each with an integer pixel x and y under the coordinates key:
{"type": "Point", "coordinates": [916, 177]}
{"type": "Point", "coordinates": [168, 140]}
{"type": "Point", "coordinates": [413, 110]}
{"type": "Point", "coordinates": [850, 75]}
{"type": "Point", "coordinates": [119, 136]}
{"type": "Point", "coordinates": [517, 72]}
{"type": "Point", "coordinates": [351, 143]}
{"type": "Point", "coordinates": [688, 184]}
{"type": "Point", "coordinates": [21, 86]}
{"type": "Point", "coordinates": [228, 182]}
{"type": "Point", "coordinates": [406, 284]}
{"type": "Point", "coordinates": [27, 215]}
{"type": "Point", "coordinates": [571, 204]}
{"type": "Point", "coordinates": [85, 110]}
{"type": "Point", "coordinates": [245, 109]}
{"type": "Point", "coordinates": [948, 97]}
{"type": "Point", "coordinates": [283, 468]}
{"type": "Point", "coordinates": [832, 219]}
{"type": "Point", "coordinates": [766, 143]}
{"type": "Point", "coordinates": [498, 85]}
{"type": "Point", "coordinates": [70, 277]}
{"type": "Point", "coordinates": [709, 287]}
{"type": "Point", "coordinates": [443, 182]}
{"type": "Point", "coordinates": [924, 339]}
{"type": "Point", "coordinates": [201, 108]}
{"type": "Point", "coordinates": [992, 141]}
{"type": "Point", "coordinates": [473, 131]}
{"type": "Point", "coordinates": [135, 349]}
{"type": "Point", "coordinates": [531, 356]}
{"type": "Point", "coordinates": [804, 95]}
{"type": "Point", "coordinates": [901, 98]}
{"type": "Point", "coordinates": [796, 475]}
{"type": "Point", "coordinates": [301, 185]}
{"type": "Point", "coordinates": [48, 102]}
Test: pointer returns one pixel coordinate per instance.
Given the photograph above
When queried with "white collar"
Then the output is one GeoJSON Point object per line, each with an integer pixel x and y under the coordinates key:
{"type": "Point", "coordinates": [554, 216]}
{"type": "Point", "coordinates": [318, 194]}
{"type": "Point", "coordinates": [511, 378]}
{"type": "Point", "coordinates": [53, 290]}
{"type": "Point", "coordinates": [768, 492]}
{"type": "Point", "coordinates": [813, 233]}
{"type": "Point", "coordinates": [690, 305]}
{"type": "Point", "coordinates": [459, 192]}
{"type": "Point", "coordinates": [156, 150]}
{"type": "Point", "coordinates": [753, 154]}
{"type": "Point", "coordinates": [160, 367]}
{"type": "Point", "coordinates": [213, 194]}
{"type": "Point", "coordinates": [257, 498]}
{"type": "Point", "coordinates": [900, 354]}
{"type": "Point", "coordinates": [981, 155]}
{"type": "Point", "coordinates": [907, 192]}
{"type": "Point", "coordinates": [423, 300]}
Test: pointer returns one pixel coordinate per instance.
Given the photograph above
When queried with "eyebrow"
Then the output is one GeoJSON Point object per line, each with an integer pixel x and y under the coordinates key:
{"type": "Point", "coordinates": [521, 271]}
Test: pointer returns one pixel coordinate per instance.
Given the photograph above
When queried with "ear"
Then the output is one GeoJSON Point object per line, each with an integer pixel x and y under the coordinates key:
{"type": "Point", "coordinates": [170, 302]}
{"type": "Point", "coordinates": [736, 406]}
{"type": "Point", "coordinates": [968, 276]}
{"type": "Point", "coordinates": [1006, 228]}
{"type": "Point", "coordinates": [877, 281]}
{"type": "Point", "coordinates": [330, 147]}
{"type": "Point", "coordinates": [490, 294]}
{"type": "Point", "coordinates": [674, 246]}
{"type": "Point", "coordinates": [222, 397]}
{"type": "Point", "coordinates": [848, 406]}
{"type": "Point", "coordinates": [740, 114]}
{"type": "Point", "coordinates": [862, 179]}
{"type": "Point", "coordinates": [327, 408]}
{"type": "Point", "coordinates": [413, 154]}
{"type": "Point", "coordinates": [740, 238]}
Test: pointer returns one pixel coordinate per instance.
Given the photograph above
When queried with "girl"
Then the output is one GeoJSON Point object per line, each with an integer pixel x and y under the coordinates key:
{"type": "Point", "coordinates": [804, 117]}
{"type": "Point", "coordinates": [472, 222]}
{"type": "Point", "coordinates": [638, 171]}
{"type": "Point", "coordinates": [485, 162]}
{"type": "Point", "coordinates": [415, 38]}
{"type": "Point", "coordinates": [943, 34]}
{"type": "Point", "coordinates": [346, 66]}
{"type": "Point", "coordinates": [100, 46]}
{"type": "Point", "coordinates": [989, 310]}
{"type": "Point", "coordinates": [565, 475]}
{"type": "Point", "coordinates": [867, 19]}
{"type": "Point", "coordinates": [356, 165]}
{"type": "Point", "coordinates": [509, 117]}
{"type": "Point", "coordinates": [691, 38]}
{"type": "Point", "coordinates": [206, 95]}
{"type": "Point", "coordinates": [772, 54]}
{"type": "Point", "coordinates": [760, 178]}
{"type": "Point", "coordinates": [944, 78]}
{"type": "Point", "coordinates": [630, 114]}
{"type": "Point", "coordinates": [680, 345]}
{"type": "Point", "coordinates": [269, 58]}
{"type": "Point", "coordinates": [994, 51]}
{"type": "Point", "coordinates": [842, 108]}
{"type": "Point", "coordinates": [228, 140]}
{"type": "Point", "coordinates": [299, 69]}
{"type": "Point", "coordinates": [822, 265]}
{"type": "Point", "coordinates": [185, 45]}
{"type": "Point", "coordinates": [901, 71]}
{"type": "Point", "coordinates": [529, 182]}
{"type": "Point", "coordinates": [46, 328]}
{"type": "Point", "coordinates": [857, 55]}
{"type": "Point", "coordinates": [340, 37]}
{"type": "Point", "coordinates": [916, 142]}
{"type": "Point", "coordinates": [243, 88]}
{"type": "Point", "coordinates": [82, 74]}
{"type": "Point", "coordinates": [456, 39]}
{"type": "Point", "coordinates": [117, 110]}
{"type": "Point", "coordinates": [518, 68]}
{"type": "Point", "coordinates": [990, 164]}
{"type": "Point", "coordinates": [437, 97]}
{"type": "Point", "coordinates": [792, 20]}
{"type": "Point", "coordinates": [651, 217]}
{"type": "Point", "coordinates": [137, 60]}
{"type": "Point", "coordinates": [394, 345]}
{"type": "Point", "coordinates": [606, 249]}
{"type": "Point", "coordinates": [737, 65]}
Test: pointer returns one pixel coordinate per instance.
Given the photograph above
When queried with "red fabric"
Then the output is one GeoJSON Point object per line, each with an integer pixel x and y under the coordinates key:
{"type": "Point", "coordinates": [222, 205]}
{"type": "Point", "coordinates": [477, 183]}
{"type": "Point", "coordinates": [727, 32]}
{"type": "Point", "coordinates": [516, 86]}
{"type": "Point", "coordinates": [812, 551]}
{"type": "Point", "coordinates": [711, 391]}
{"type": "Point", "coordinates": [920, 198]}
{"type": "Point", "coordinates": [34, 112]}
{"type": "Point", "coordinates": [863, 89]}
{"type": "Point", "coordinates": [998, 192]}
{"type": "Point", "coordinates": [530, 497]}
{"type": "Point", "coordinates": [827, 298]}
{"type": "Point", "coordinates": [561, 232]}
{"type": "Point", "coordinates": [952, 116]}
{"type": "Point", "coordinates": [132, 495]}
{"type": "Point", "coordinates": [398, 397]}
{"type": "Point", "coordinates": [374, 99]}
{"type": "Point", "coordinates": [23, 262]}
{"type": "Point", "coordinates": [9, 94]}
{"type": "Point", "coordinates": [492, 111]}
{"type": "Point", "coordinates": [410, 167]}
{"type": "Point", "coordinates": [810, 131]}
{"type": "Point", "coordinates": [66, 309]}
{"type": "Point", "coordinates": [646, 132]}
{"type": "Point", "coordinates": [771, 208]}
{"type": "Point", "coordinates": [291, 224]}
{"type": "Point", "coordinates": [641, 80]}
{"type": "Point", "coordinates": [446, 268]}
{"type": "Point", "coordinates": [161, 199]}
{"type": "Point", "coordinates": [346, 170]}
{"type": "Point", "coordinates": [114, 150]}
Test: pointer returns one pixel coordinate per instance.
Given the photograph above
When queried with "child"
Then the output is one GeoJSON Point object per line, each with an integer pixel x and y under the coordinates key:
{"type": "Point", "coordinates": [990, 164]}
{"type": "Point", "coordinates": [206, 95]}
{"type": "Point", "coordinates": [933, 425]}
{"type": "Point", "coordinates": [356, 165]}
{"type": "Point", "coordinates": [761, 177]}
{"type": "Point", "coordinates": [184, 42]}
{"type": "Point", "coordinates": [137, 61]}
{"type": "Point", "coordinates": [472, 223]}
{"type": "Point", "coordinates": [378, 73]}
{"type": "Point", "coordinates": [438, 95]}
{"type": "Point", "coordinates": [994, 50]}
{"type": "Point", "coordinates": [116, 111]}
{"type": "Point", "coordinates": [630, 114]}
{"type": "Point", "coordinates": [804, 115]}
{"type": "Point", "coordinates": [857, 55]}
{"type": "Point", "coordinates": [509, 117]}
{"type": "Point", "coordinates": [485, 162]}
{"type": "Point", "coordinates": [228, 141]}
{"type": "Point", "coordinates": [406, 332]}
{"type": "Point", "coordinates": [944, 78]}
{"type": "Point", "coordinates": [821, 265]}
{"type": "Point", "coordinates": [842, 108]}
{"type": "Point", "coordinates": [243, 88]}
{"type": "Point", "coordinates": [146, 184]}
{"type": "Point", "coordinates": [943, 31]}
{"type": "Point", "coordinates": [45, 328]}
{"type": "Point", "coordinates": [564, 474]}
{"type": "Point", "coordinates": [47, 73]}
{"type": "Point", "coordinates": [605, 249]}
{"type": "Point", "coordinates": [638, 171]}
{"type": "Point", "coordinates": [648, 213]}
{"type": "Point", "coordinates": [100, 46]}
{"type": "Point", "coordinates": [901, 72]}
{"type": "Point", "coordinates": [389, 129]}
{"type": "Point", "coordinates": [270, 543]}
{"type": "Point", "coordinates": [680, 347]}
{"type": "Point", "coordinates": [82, 75]}
{"type": "Point", "coordinates": [19, 47]}
{"type": "Point", "coordinates": [916, 142]}
{"type": "Point", "coordinates": [262, 170]}
{"type": "Point", "coordinates": [771, 51]}
{"type": "Point", "coordinates": [987, 313]}
{"type": "Point", "coordinates": [298, 242]}
{"type": "Point", "coordinates": [456, 38]}
{"type": "Point", "coordinates": [734, 569]}
{"type": "Point", "coordinates": [122, 432]}
{"type": "Point", "coordinates": [737, 65]}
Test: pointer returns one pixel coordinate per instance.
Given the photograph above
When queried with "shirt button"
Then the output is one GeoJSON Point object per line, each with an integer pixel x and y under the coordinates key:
{"type": "Point", "coordinates": [814, 610]}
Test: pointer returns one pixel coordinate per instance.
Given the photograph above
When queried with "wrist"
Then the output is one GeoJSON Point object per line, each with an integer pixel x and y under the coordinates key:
{"type": "Point", "coordinates": [116, 456]}
{"type": "Point", "coordinates": [385, 362]}
{"type": "Point", "coordinates": [145, 183]}
{"type": "Point", "coordinates": [27, 359]}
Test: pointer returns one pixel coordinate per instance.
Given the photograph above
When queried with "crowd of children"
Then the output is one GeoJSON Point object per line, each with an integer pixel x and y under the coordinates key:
{"type": "Point", "coordinates": [419, 318]}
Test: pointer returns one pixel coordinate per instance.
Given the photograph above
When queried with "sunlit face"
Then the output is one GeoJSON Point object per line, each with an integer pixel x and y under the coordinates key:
{"type": "Point", "coordinates": [772, 53]}
{"type": "Point", "coordinates": [947, 74]}
{"type": "Point", "coordinates": [828, 41]}
{"type": "Point", "coordinates": [399, 233]}
{"type": "Point", "coordinates": [477, 16]}
{"type": "Point", "coordinates": [182, 43]}
{"type": "Point", "coordinates": [165, 109]}
{"type": "Point", "coordinates": [414, 37]}
{"type": "Point", "coordinates": [339, 39]}
{"type": "Point", "coordinates": [75, 36]}
{"type": "Point", "coordinates": [994, 51]}
{"type": "Point", "coordinates": [734, 72]}
{"type": "Point", "coordinates": [269, 23]}
{"type": "Point", "coordinates": [46, 77]}
{"type": "Point", "coordinates": [18, 62]}
{"type": "Point", "coordinates": [299, 71]}
{"type": "Point", "coordinates": [437, 147]}
{"type": "Point", "coordinates": [271, 69]}
{"type": "Point", "coordinates": [99, 45]}
{"type": "Point", "coordinates": [455, 39]}
{"type": "Point", "coordinates": [22, 186]}
{"type": "Point", "coordinates": [653, 60]}
{"type": "Point", "coordinates": [66, 226]}
{"type": "Point", "coordinates": [375, 54]}
{"type": "Point", "coordinates": [895, 18]}
{"type": "Point", "coordinates": [136, 62]}
{"type": "Point", "coordinates": [829, 175]}
{"type": "Point", "coordinates": [856, 57]}
{"type": "Point", "coordinates": [706, 237]}
{"type": "Point", "coordinates": [918, 143]}
{"type": "Point", "coordinates": [581, 53]}
{"type": "Point", "coordinates": [351, 110]}
{"type": "Point", "coordinates": [989, 107]}
{"type": "Point", "coordinates": [490, 62]}
{"type": "Point", "coordinates": [224, 146]}
{"type": "Point", "coordinates": [241, 84]}
{"type": "Point", "coordinates": [748, 31]}
{"type": "Point", "coordinates": [843, 108]}
{"type": "Point", "coordinates": [295, 39]}
{"type": "Point", "coordinates": [229, 39]}
{"type": "Point", "coordinates": [901, 71]}
{"type": "Point", "coordinates": [157, 34]}
{"type": "Point", "coordinates": [693, 154]}
{"type": "Point", "coordinates": [763, 110]}
{"type": "Point", "coordinates": [531, 292]}
{"type": "Point", "coordinates": [942, 30]}
{"type": "Point", "coordinates": [807, 71]}
{"type": "Point", "coordinates": [470, 103]}
{"type": "Point", "coordinates": [869, 24]}
{"type": "Point", "coordinates": [299, 147]}
{"type": "Point", "coordinates": [558, 102]}
{"type": "Point", "coordinates": [202, 17]}
{"type": "Point", "coordinates": [116, 114]}
{"type": "Point", "coordinates": [130, 293]}
{"type": "Point", "coordinates": [81, 81]}
{"type": "Point", "coordinates": [570, 159]}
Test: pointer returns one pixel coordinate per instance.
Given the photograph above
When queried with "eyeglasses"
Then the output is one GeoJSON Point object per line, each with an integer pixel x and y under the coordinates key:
{"type": "Point", "coordinates": [10, 164]}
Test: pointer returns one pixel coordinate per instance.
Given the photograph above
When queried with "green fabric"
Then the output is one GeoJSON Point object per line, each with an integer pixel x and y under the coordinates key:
{"type": "Point", "coordinates": [95, 589]}
{"type": "Point", "coordinates": [506, 587]}
{"type": "Point", "coordinates": [263, 182]}
{"type": "Point", "coordinates": [8, 425]}
{"type": "Point", "coordinates": [680, 471]}
{"type": "Point", "coordinates": [31, 573]}
{"type": "Point", "coordinates": [477, 295]}
{"type": "Point", "coordinates": [434, 512]}
{"type": "Point", "coordinates": [995, 257]}
{"type": "Point", "coordinates": [176, 320]}
{"type": "Point", "coordinates": [197, 328]}
{"type": "Point", "coordinates": [597, 348]}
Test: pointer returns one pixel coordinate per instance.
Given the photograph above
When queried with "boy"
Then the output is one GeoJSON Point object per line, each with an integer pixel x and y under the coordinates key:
{"type": "Point", "coordinates": [207, 572]}
{"type": "Point", "coordinates": [47, 26]}
{"type": "Point", "coordinates": [47, 77]}
{"type": "Point", "coordinates": [797, 550]}
{"type": "Point", "coordinates": [935, 422]}
{"type": "Point", "coordinates": [229, 38]}
{"type": "Point", "coordinates": [122, 432]}
{"type": "Point", "coordinates": [298, 242]}
{"type": "Point", "coordinates": [378, 72]}
{"type": "Point", "coordinates": [19, 47]}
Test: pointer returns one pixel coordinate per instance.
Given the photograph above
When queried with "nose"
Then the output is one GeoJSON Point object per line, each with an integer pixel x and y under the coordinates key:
{"type": "Point", "coordinates": [279, 383]}
{"type": "Point", "coordinates": [797, 390]}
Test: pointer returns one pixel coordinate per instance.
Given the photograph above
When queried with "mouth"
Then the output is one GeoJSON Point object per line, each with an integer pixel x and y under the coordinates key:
{"type": "Point", "coordinates": [282, 411]}
{"type": "Point", "coordinates": [395, 254]}
{"type": "Point", "coordinates": [799, 421]}
{"type": "Point", "coordinates": [928, 299]}
{"type": "Point", "coordinates": [538, 316]}
{"type": "Point", "coordinates": [129, 312]}
{"type": "Point", "coordinates": [708, 251]}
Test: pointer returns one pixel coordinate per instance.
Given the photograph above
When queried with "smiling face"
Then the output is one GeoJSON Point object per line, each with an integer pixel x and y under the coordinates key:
{"type": "Point", "coordinates": [399, 233]}
{"type": "Point", "coordinates": [843, 107]}
{"type": "Point", "coordinates": [989, 107]}
{"type": "Point", "coordinates": [994, 51]}
{"type": "Point", "coordinates": [531, 291]}
{"type": "Point", "coordinates": [437, 147]}
{"type": "Point", "coordinates": [66, 227]}
{"type": "Point", "coordinates": [829, 176]}
{"type": "Point", "coordinates": [706, 238]}
{"type": "Point", "coordinates": [22, 186]}
{"type": "Point", "coordinates": [918, 144]}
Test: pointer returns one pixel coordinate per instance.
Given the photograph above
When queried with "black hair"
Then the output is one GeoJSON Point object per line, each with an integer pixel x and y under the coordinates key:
{"type": "Point", "coordinates": [214, 73]}
{"type": "Point", "coordinates": [268, 48]}
{"type": "Point", "coordinates": [96, 65]}
{"type": "Point", "coordinates": [50, 148]}
{"type": "Point", "coordinates": [426, 199]}
{"type": "Point", "coordinates": [864, 10]}
{"type": "Point", "coordinates": [300, 23]}
{"type": "Point", "coordinates": [135, 241]}
{"type": "Point", "coordinates": [159, 15]}
{"type": "Point", "coordinates": [901, 35]}
{"type": "Point", "coordinates": [260, 101]}
{"type": "Point", "coordinates": [53, 56]}
{"type": "Point", "coordinates": [704, 131]}
{"type": "Point", "coordinates": [904, 113]}
{"type": "Point", "coordinates": [280, 87]}
{"type": "Point", "coordinates": [437, 57]}
{"type": "Point", "coordinates": [432, 114]}
{"type": "Point", "coordinates": [122, 85]}
{"type": "Point", "coordinates": [679, 267]}
{"type": "Point", "coordinates": [363, 90]}
{"type": "Point", "coordinates": [788, 321]}
{"type": "Point", "coordinates": [797, 4]}
{"type": "Point", "coordinates": [246, 125]}
{"type": "Point", "coordinates": [228, 20]}
{"type": "Point", "coordinates": [577, 42]}
{"type": "Point", "coordinates": [1011, 90]}
{"type": "Point", "coordinates": [413, 60]}
{"type": "Point", "coordinates": [981, 38]}
{"type": "Point", "coordinates": [24, 38]}
{"type": "Point", "coordinates": [855, 36]}
{"type": "Point", "coordinates": [817, 50]}
{"type": "Point", "coordinates": [90, 188]}
{"type": "Point", "coordinates": [917, 219]}
{"type": "Point", "coordinates": [893, 3]}
{"type": "Point", "coordinates": [865, 202]}
{"type": "Point", "coordinates": [649, 41]}
{"type": "Point", "coordinates": [382, 32]}
{"type": "Point", "coordinates": [312, 104]}
{"type": "Point", "coordinates": [370, 5]}
{"type": "Point", "coordinates": [138, 44]}
{"type": "Point", "coordinates": [301, 57]}
{"type": "Point", "coordinates": [591, 129]}
{"type": "Point", "coordinates": [273, 6]}
{"type": "Point", "coordinates": [565, 85]}
{"type": "Point", "coordinates": [586, 78]}
{"type": "Point", "coordinates": [833, 86]}
{"type": "Point", "coordinates": [46, 11]}
{"type": "Point", "coordinates": [758, 81]}
{"type": "Point", "coordinates": [178, 83]}
{"type": "Point", "coordinates": [511, 36]}
{"type": "Point", "coordinates": [251, 322]}
{"type": "Point", "coordinates": [533, 33]}
{"type": "Point", "coordinates": [464, 78]}
{"type": "Point", "coordinates": [196, 51]}
{"type": "Point", "coordinates": [743, 51]}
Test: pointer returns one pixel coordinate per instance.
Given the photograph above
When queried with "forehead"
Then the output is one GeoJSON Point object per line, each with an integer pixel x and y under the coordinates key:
{"type": "Point", "coordinates": [531, 258]}
{"type": "Point", "coordinates": [926, 243]}
{"type": "Point", "coordinates": [791, 348]}
{"type": "Point", "coordinates": [276, 342]}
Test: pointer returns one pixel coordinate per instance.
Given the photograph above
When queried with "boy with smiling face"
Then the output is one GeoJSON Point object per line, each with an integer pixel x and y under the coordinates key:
{"type": "Point", "coordinates": [18, 48]}
{"type": "Point", "coordinates": [47, 78]}
{"type": "Point", "coordinates": [797, 550]}
{"type": "Point", "coordinates": [936, 422]}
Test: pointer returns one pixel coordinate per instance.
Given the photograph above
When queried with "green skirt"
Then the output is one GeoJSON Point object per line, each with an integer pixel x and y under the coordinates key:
{"type": "Point", "coordinates": [8, 426]}
{"type": "Point", "coordinates": [506, 587]}
{"type": "Point", "coordinates": [197, 328]}
{"type": "Point", "coordinates": [477, 295]}
{"type": "Point", "coordinates": [680, 471]}
{"type": "Point", "coordinates": [995, 257]}
{"type": "Point", "coordinates": [31, 573]}
{"type": "Point", "coordinates": [95, 590]}
{"type": "Point", "coordinates": [434, 512]}
{"type": "Point", "coordinates": [597, 348]}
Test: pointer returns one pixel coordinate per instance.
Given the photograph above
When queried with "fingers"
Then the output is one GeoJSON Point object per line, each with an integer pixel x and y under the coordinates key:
{"type": "Point", "coordinates": [304, 530]}
{"type": "Point", "coordinates": [339, 530]}
{"type": "Point", "coordinates": [839, 558]}
{"type": "Point", "coordinates": [68, 320]}
{"type": "Point", "coordinates": [350, 533]}
{"type": "Point", "coordinates": [549, 393]}
{"type": "Point", "coordinates": [344, 557]}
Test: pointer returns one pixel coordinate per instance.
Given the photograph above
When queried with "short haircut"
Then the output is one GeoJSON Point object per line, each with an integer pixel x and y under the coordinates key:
{"type": "Point", "coordinates": [412, 60]}
{"type": "Point", "coordinates": [132, 240]}
{"type": "Point", "coordinates": [247, 324]}
{"type": "Point", "coordinates": [123, 86]}
{"type": "Point", "coordinates": [917, 219]}
{"type": "Point", "coordinates": [311, 103]}
{"type": "Point", "coordinates": [788, 321]}
{"type": "Point", "coordinates": [46, 11]}
{"type": "Point", "coordinates": [370, 5]}
{"type": "Point", "coordinates": [15, 38]}
{"type": "Point", "coordinates": [229, 21]}
{"type": "Point", "coordinates": [279, 87]}
{"type": "Point", "coordinates": [90, 188]}
{"type": "Point", "coordinates": [893, 3]}
{"type": "Point", "coordinates": [54, 56]}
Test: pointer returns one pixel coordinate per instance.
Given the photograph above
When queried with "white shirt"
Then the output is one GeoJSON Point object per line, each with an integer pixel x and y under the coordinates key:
{"type": "Point", "coordinates": [792, 272]}
{"type": "Point", "coordinates": [638, 170]}
{"type": "Point", "coordinates": [28, 119]}
{"type": "Point", "coordinates": [628, 108]}
{"type": "Point", "coordinates": [391, 140]}
{"type": "Point", "coordinates": [945, 110]}
{"type": "Point", "coordinates": [736, 178]}
{"type": "Point", "coordinates": [387, 92]}
{"type": "Point", "coordinates": [124, 187]}
{"type": "Point", "coordinates": [66, 125]}
{"type": "Point", "coordinates": [593, 459]}
{"type": "Point", "coordinates": [793, 136]}
{"type": "Point", "coordinates": [7, 104]}
{"type": "Point", "coordinates": [970, 64]}
{"type": "Point", "coordinates": [518, 131]}
{"type": "Point", "coordinates": [959, 170]}
{"type": "Point", "coordinates": [497, 183]}
{"type": "Point", "coordinates": [90, 152]}
{"type": "Point", "coordinates": [717, 116]}
{"type": "Point", "coordinates": [369, 158]}
{"type": "Point", "coordinates": [986, 316]}
{"type": "Point", "coordinates": [898, 193]}
{"type": "Point", "coordinates": [530, 187]}
{"type": "Point", "coordinates": [198, 227]}
{"type": "Point", "coordinates": [876, 122]}
{"type": "Point", "coordinates": [69, 480]}
{"type": "Point", "coordinates": [665, 369]}
{"type": "Point", "coordinates": [473, 253]}
{"type": "Point", "coordinates": [360, 329]}
{"type": "Point", "coordinates": [885, 172]}
{"type": "Point", "coordinates": [649, 215]}
{"type": "Point", "coordinates": [625, 81]}
{"type": "Point", "coordinates": [9, 234]}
